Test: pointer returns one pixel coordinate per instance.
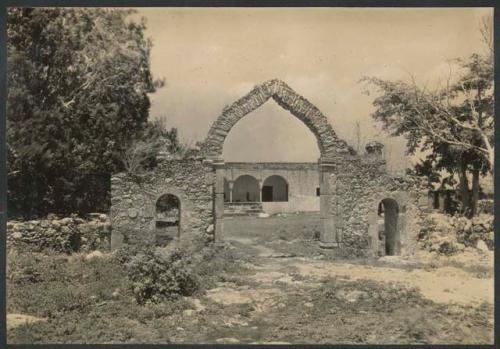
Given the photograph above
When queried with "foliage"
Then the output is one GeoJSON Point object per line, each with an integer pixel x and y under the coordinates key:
{"type": "Point", "coordinates": [158, 275]}
{"type": "Point", "coordinates": [453, 123]}
{"type": "Point", "coordinates": [78, 82]}
{"type": "Point", "coordinates": [156, 139]}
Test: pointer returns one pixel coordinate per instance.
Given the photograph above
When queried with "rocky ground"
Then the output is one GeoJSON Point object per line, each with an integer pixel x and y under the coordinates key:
{"type": "Point", "coordinates": [285, 290]}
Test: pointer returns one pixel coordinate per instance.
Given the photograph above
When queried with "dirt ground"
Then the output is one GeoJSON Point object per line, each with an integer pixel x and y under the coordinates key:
{"type": "Point", "coordinates": [288, 290]}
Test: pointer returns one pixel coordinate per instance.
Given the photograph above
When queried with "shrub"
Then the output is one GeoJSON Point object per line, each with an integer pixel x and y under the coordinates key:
{"type": "Point", "coordinates": [161, 274]}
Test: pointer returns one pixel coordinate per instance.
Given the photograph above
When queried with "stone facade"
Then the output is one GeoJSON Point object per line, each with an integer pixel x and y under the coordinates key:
{"type": "Point", "coordinates": [352, 186]}
{"type": "Point", "coordinates": [360, 186]}
{"type": "Point", "coordinates": [302, 181]}
{"type": "Point", "coordinates": [134, 198]}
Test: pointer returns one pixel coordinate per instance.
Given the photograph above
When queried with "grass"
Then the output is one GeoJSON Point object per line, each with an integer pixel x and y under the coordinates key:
{"type": "Point", "coordinates": [91, 301]}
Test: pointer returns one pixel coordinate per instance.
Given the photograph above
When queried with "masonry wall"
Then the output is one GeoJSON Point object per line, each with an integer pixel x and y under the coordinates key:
{"type": "Point", "coordinates": [302, 179]}
{"type": "Point", "coordinates": [61, 234]}
{"type": "Point", "coordinates": [357, 185]}
{"type": "Point", "coordinates": [359, 188]}
{"type": "Point", "coordinates": [133, 203]}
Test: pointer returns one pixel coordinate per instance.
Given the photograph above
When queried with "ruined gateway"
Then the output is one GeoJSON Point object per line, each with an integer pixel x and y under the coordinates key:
{"type": "Point", "coordinates": [188, 198]}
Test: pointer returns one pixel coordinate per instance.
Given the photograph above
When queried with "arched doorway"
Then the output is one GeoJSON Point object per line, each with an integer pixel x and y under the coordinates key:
{"type": "Point", "coordinates": [167, 218]}
{"type": "Point", "coordinates": [389, 210]}
{"type": "Point", "coordinates": [275, 189]}
{"type": "Point", "coordinates": [330, 147]}
{"type": "Point", "coordinates": [246, 189]}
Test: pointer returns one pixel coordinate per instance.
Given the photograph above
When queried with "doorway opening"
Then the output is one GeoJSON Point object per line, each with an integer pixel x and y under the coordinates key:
{"type": "Point", "coordinates": [389, 210]}
{"type": "Point", "coordinates": [275, 189]}
{"type": "Point", "coordinates": [167, 219]}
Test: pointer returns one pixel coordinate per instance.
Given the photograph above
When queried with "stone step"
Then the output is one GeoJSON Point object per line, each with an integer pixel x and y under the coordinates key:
{"type": "Point", "coordinates": [241, 214]}
{"type": "Point", "coordinates": [242, 209]}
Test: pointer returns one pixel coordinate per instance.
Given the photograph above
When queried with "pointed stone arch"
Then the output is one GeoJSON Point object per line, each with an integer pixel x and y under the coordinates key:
{"type": "Point", "coordinates": [330, 146]}
{"type": "Point", "coordinates": [328, 143]}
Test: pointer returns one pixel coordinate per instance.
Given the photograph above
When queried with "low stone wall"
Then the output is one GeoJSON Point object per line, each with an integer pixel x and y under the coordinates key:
{"type": "Point", "coordinates": [68, 234]}
{"type": "Point", "coordinates": [134, 199]}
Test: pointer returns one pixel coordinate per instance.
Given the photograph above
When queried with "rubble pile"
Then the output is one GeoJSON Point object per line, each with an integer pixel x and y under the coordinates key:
{"type": "Point", "coordinates": [450, 234]}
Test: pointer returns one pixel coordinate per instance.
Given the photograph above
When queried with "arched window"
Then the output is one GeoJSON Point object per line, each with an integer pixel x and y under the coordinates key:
{"type": "Point", "coordinates": [246, 189]}
{"type": "Point", "coordinates": [275, 188]}
{"type": "Point", "coordinates": [168, 217]}
{"type": "Point", "coordinates": [389, 210]}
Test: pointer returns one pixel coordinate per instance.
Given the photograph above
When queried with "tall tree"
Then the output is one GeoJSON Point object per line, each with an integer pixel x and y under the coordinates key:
{"type": "Point", "coordinates": [454, 123]}
{"type": "Point", "coordinates": [78, 84]}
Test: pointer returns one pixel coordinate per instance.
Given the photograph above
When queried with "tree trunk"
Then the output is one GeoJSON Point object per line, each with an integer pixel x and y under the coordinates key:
{"type": "Point", "coordinates": [475, 192]}
{"type": "Point", "coordinates": [464, 187]}
{"type": "Point", "coordinates": [475, 171]}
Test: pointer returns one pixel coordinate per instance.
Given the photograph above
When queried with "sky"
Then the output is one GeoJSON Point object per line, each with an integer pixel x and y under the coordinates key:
{"type": "Point", "coordinates": [210, 57]}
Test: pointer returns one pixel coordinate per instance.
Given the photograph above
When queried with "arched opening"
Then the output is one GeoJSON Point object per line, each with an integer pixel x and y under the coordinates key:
{"type": "Point", "coordinates": [389, 210]}
{"type": "Point", "coordinates": [246, 189]}
{"type": "Point", "coordinates": [270, 134]}
{"type": "Point", "coordinates": [167, 218]}
{"type": "Point", "coordinates": [275, 189]}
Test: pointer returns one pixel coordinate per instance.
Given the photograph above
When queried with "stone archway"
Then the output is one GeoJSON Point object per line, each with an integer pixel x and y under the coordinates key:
{"type": "Point", "coordinates": [288, 99]}
{"type": "Point", "coordinates": [330, 147]}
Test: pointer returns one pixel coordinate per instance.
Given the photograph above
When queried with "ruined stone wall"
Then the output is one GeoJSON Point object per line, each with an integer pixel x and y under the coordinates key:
{"type": "Point", "coordinates": [133, 202]}
{"type": "Point", "coordinates": [61, 234]}
{"type": "Point", "coordinates": [360, 187]}
{"type": "Point", "coordinates": [352, 185]}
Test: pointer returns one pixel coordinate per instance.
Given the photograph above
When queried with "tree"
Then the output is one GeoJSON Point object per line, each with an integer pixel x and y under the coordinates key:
{"type": "Point", "coordinates": [156, 139]}
{"type": "Point", "coordinates": [454, 122]}
{"type": "Point", "coordinates": [78, 82]}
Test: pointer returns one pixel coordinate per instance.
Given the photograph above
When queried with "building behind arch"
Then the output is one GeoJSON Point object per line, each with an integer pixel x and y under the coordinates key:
{"type": "Point", "coordinates": [282, 187]}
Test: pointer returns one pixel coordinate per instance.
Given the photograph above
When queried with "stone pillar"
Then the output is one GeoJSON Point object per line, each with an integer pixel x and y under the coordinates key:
{"type": "Point", "coordinates": [260, 189]}
{"type": "Point", "coordinates": [231, 183]}
{"type": "Point", "coordinates": [327, 180]}
{"type": "Point", "coordinates": [219, 200]}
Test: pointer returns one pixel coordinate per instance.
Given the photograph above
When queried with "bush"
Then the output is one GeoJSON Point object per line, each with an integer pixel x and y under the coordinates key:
{"type": "Point", "coordinates": [160, 274]}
